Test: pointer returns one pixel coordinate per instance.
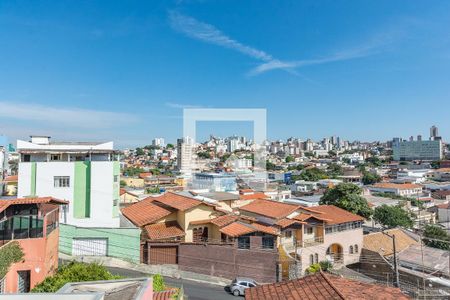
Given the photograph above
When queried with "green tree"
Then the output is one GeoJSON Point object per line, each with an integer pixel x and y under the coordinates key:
{"type": "Point", "coordinates": [74, 272]}
{"type": "Point", "coordinates": [370, 178]}
{"type": "Point", "coordinates": [132, 171]}
{"type": "Point", "coordinates": [392, 216]}
{"type": "Point", "coordinates": [170, 146]}
{"type": "Point", "coordinates": [289, 159]}
{"type": "Point", "coordinates": [437, 237]}
{"type": "Point", "coordinates": [270, 166]}
{"type": "Point", "coordinates": [335, 170]}
{"type": "Point", "coordinates": [140, 151]}
{"type": "Point", "coordinates": [123, 184]}
{"type": "Point", "coordinates": [158, 283]}
{"type": "Point", "coordinates": [435, 164]}
{"type": "Point", "coordinates": [374, 161]}
{"type": "Point", "coordinates": [347, 196]}
{"type": "Point", "coordinates": [204, 155]}
{"type": "Point", "coordinates": [313, 174]}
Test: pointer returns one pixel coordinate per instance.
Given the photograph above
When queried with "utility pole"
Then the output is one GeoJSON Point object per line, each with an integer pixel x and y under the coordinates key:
{"type": "Point", "coordinates": [394, 249]}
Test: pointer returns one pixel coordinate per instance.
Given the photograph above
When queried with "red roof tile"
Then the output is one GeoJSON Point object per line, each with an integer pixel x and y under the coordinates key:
{"type": "Point", "coordinates": [177, 201]}
{"type": "Point", "coordinates": [145, 212]}
{"type": "Point", "coordinates": [37, 200]}
{"type": "Point", "coordinates": [237, 229]}
{"type": "Point", "coordinates": [322, 286]}
{"type": "Point", "coordinates": [336, 215]}
{"type": "Point", "coordinates": [283, 223]}
{"type": "Point", "coordinates": [224, 220]}
{"type": "Point", "coordinates": [164, 295]}
{"type": "Point", "coordinates": [12, 178]}
{"type": "Point", "coordinates": [255, 195]}
{"type": "Point", "coordinates": [269, 208]}
{"type": "Point", "coordinates": [162, 231]}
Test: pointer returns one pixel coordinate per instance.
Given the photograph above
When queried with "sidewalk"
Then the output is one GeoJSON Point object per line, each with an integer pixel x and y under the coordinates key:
{"type": "Point", "coordinates": [165, 270]}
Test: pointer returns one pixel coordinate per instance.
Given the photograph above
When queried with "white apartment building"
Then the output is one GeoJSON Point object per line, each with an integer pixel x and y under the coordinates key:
{"type": "Point", "coordinates": [417, 150]}
{"type": "Point", "coordinates": [185, 152]}
{"type": "Point", "coordinates": [158, 142]}
{"type": "Point", "coordinates": [406, 189]}
{"type": "Point", "coordinates": [85, 174]}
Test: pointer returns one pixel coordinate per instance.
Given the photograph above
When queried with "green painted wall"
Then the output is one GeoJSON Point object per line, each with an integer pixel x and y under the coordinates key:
{"type": "Point", "coordinates": [82, 190]}
{"type": "Point", "coordinates": [33, 179]}
{"type": "Point", "coordinates": [123, 243]}
{"type": "Point", "coordinates": [116, 189]}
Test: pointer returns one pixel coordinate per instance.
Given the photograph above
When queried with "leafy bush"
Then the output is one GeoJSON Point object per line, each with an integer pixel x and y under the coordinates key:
{"type": "Point", "coordinates": [158, 283]}
{"type": "Point", "coordinates": [74, 272]}
{"type": "Point", "coordinates": [314, 268]}
{"type": "Point", "coordinates": [9, 254]}
{"type": "Point", "coordinates": [325, 265]}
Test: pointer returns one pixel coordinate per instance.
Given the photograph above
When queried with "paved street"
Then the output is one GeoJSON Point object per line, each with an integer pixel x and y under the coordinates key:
{"type": "Point", "coordinates": [194, 290]}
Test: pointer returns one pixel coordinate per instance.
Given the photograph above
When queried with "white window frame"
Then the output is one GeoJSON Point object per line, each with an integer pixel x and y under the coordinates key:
{"type": "Point", "coordinates": [61, 181]}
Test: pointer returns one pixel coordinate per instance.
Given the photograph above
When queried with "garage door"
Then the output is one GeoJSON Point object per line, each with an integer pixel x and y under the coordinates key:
{"type": "Point", "coordinates": [94, 247]}
{"type": "Point", "coordinates": [161, 255]}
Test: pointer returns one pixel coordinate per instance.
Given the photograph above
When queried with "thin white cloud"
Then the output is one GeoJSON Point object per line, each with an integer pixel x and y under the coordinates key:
{"type": "Point", "coordinates": [72, 117]}
{"type": "Point", "coordinates": [181, 106]}
{"type": "Point", "coordinates": [208, 33]}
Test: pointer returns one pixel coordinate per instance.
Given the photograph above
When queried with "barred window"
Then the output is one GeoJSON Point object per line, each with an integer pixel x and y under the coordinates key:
{"type": "Point", "coordinates": [61, 181]}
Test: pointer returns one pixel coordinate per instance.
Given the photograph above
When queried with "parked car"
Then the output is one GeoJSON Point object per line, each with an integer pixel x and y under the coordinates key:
{"type": "Point", "coordinates": [240, 284]}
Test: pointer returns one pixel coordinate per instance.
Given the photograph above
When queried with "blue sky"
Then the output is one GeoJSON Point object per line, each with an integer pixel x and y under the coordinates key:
{"type": "Point", "coordinates": [124, 70]}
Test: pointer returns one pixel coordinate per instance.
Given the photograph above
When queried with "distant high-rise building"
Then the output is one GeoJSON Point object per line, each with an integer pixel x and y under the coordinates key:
{"type": "Point", "coordinates": [417, 150]}
{"type": "Point", "coordinates": [419, 137]}
{"type": "Point", "coordinates": [158, 142]}
{"type": "Point", "coordinates": [185, 148]}
{"type": "Point", "coordinates": [434, 132]}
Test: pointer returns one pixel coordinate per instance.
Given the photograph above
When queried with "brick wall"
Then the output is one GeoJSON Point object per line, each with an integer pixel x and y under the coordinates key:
{"type": "Point", "coordinates": [229, 262]}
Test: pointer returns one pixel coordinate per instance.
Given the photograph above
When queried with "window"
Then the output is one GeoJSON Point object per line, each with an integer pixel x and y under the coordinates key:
{"type": "Point", "coordinates": [116, 178]}
{"type": "Point", "coordinates": [244, 242]}
{"type": "Point", "coordinates": [356, 249]}
{"type": "Point", "coordinates": [288, 234]}
{"type": "Point", "coordinates": [61, 181]}
{"type": "Point", "coordinates": [311, 259]}
{"type": "Point", "coordinates": [316, 258]}
{"type": "Point", "coordinates": [23, 284]}
{"type": "Point", "coordinates": [267, 242]}
{"type": "Point", "coordinates": [55, 157]}
{"type": "Point", "coordinates": [200, 234]}
{"type": "Point", "coordinates": [308, 230]}
{"type": "Point", "coordinates": [26, 158]}
{"type": "Point", "coordinates": [115, 202]}
{"type": "Point", "coordinates": [351, 250]}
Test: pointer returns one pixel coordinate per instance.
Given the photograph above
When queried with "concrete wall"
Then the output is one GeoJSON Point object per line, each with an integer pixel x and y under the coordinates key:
{"type": "Point", "coordinates": [123, 243]}
{"type": "Point", "coordinates": [40, 258]}
{"type": "Point", "coordinates": [228, 261]}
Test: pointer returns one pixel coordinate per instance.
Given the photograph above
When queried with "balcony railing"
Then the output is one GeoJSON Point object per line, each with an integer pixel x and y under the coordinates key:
{"type": "Point", "coordinates": [312, 242]}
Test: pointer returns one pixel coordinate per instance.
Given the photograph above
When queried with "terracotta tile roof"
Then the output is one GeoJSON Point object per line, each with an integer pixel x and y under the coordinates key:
{"type": "Point", "coordinates": [442, 170]}
{"type": "Point", "coordinates": [335, 215]}
{"type": "Point", "coordinates": [37, 200]}
{"type": "Point", "coordinates": [400, 186]}
{"type": "Point", "coordinates": [255, 195]}
{"type": "Point", "coordinates": [13, 178]}
{"type": "Point", "coordinates": [237, 229]}
{"type": "Point", "coordinates": [200, 222]}
{"type": "Point", "coordinates": [122, 191]}
{"type": "Point", "coordinates": [381, 243]}
{"type": "Point", "coordinates": [444, 206]}
{"type": "Point", "coordinates": [283, 223]}
{"type": "Point", "coordinates": [162, 231]}
{"type": "Point", "coordinates": [269, 208]}
{"type": "Point", "coordinates": [144, 175]}
{"type": "Point", "coordinates": [177, 201]}
{"type": "Point", "coordinates": [224, 220]}
{"type": "Point", "coordinates": [265, 229]}
{"type": "Point", "coordinates": [164, 295]}
{"type": "Point", "coordinates": [145, 212]}
{"type": "Point", "coordinates": [322, 286]}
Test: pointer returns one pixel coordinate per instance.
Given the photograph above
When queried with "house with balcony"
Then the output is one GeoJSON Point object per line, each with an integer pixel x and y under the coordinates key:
{"type": "Point", "coordinates": [29, 228]}
{"type": "Point", "coordinates": [310, 235]}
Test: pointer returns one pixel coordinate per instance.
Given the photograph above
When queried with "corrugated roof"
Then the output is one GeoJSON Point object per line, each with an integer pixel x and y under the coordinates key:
{"type": "Point", "coordinates": [322, 286]}
{"type": "Point", "coordinates": [381, 243]}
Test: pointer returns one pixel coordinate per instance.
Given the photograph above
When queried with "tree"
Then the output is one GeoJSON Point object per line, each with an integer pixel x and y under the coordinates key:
{"type": "Point", "coordinates": [204, 155]}
{"type": "Point", "coordinates": [392, 216]}
{"type": "Point", "coordinates": [437, 237]}
{"type": "Point", "coordinates": [158, 283]}
{"type": "Point", "coordinates": [347, 196]}
{"type": "Point", "coordinates": [313, 174]}
{"type": "Point", "coordinates": [335, 170]}
{"type": "Point", "coordinates": [289, 158]}
{"type": "Point", "coordinates": [132, 171]}
{"type": "Point", "coordinates": [123, 183]}
{"type": "Point", "coordinates": [435, 164]}
{"type": "Point", "coordinates": [374, 161]}
{"type": "Point", "coordinates": [140, 151]}
{"type": "Point", "coordinates": [170, 146]}
{"type": "Point", "coordinates": [270, 166]}
{"type": "Point", "coordinates": [370, 178]}
{"type": "Point", "coordinates": [74, 272]}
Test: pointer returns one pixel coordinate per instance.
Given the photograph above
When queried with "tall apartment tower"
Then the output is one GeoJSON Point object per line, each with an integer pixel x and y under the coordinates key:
{"type": "Point", "coordinates": [159, 142]}
{"type": "Point", "coordinates": [185, 149]}
{"type": "Point", "coordinates": [434, 132]}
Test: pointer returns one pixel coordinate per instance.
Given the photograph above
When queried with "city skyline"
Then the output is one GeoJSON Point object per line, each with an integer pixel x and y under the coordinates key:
{"type": "Point", "coordinates": [125, 72]}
